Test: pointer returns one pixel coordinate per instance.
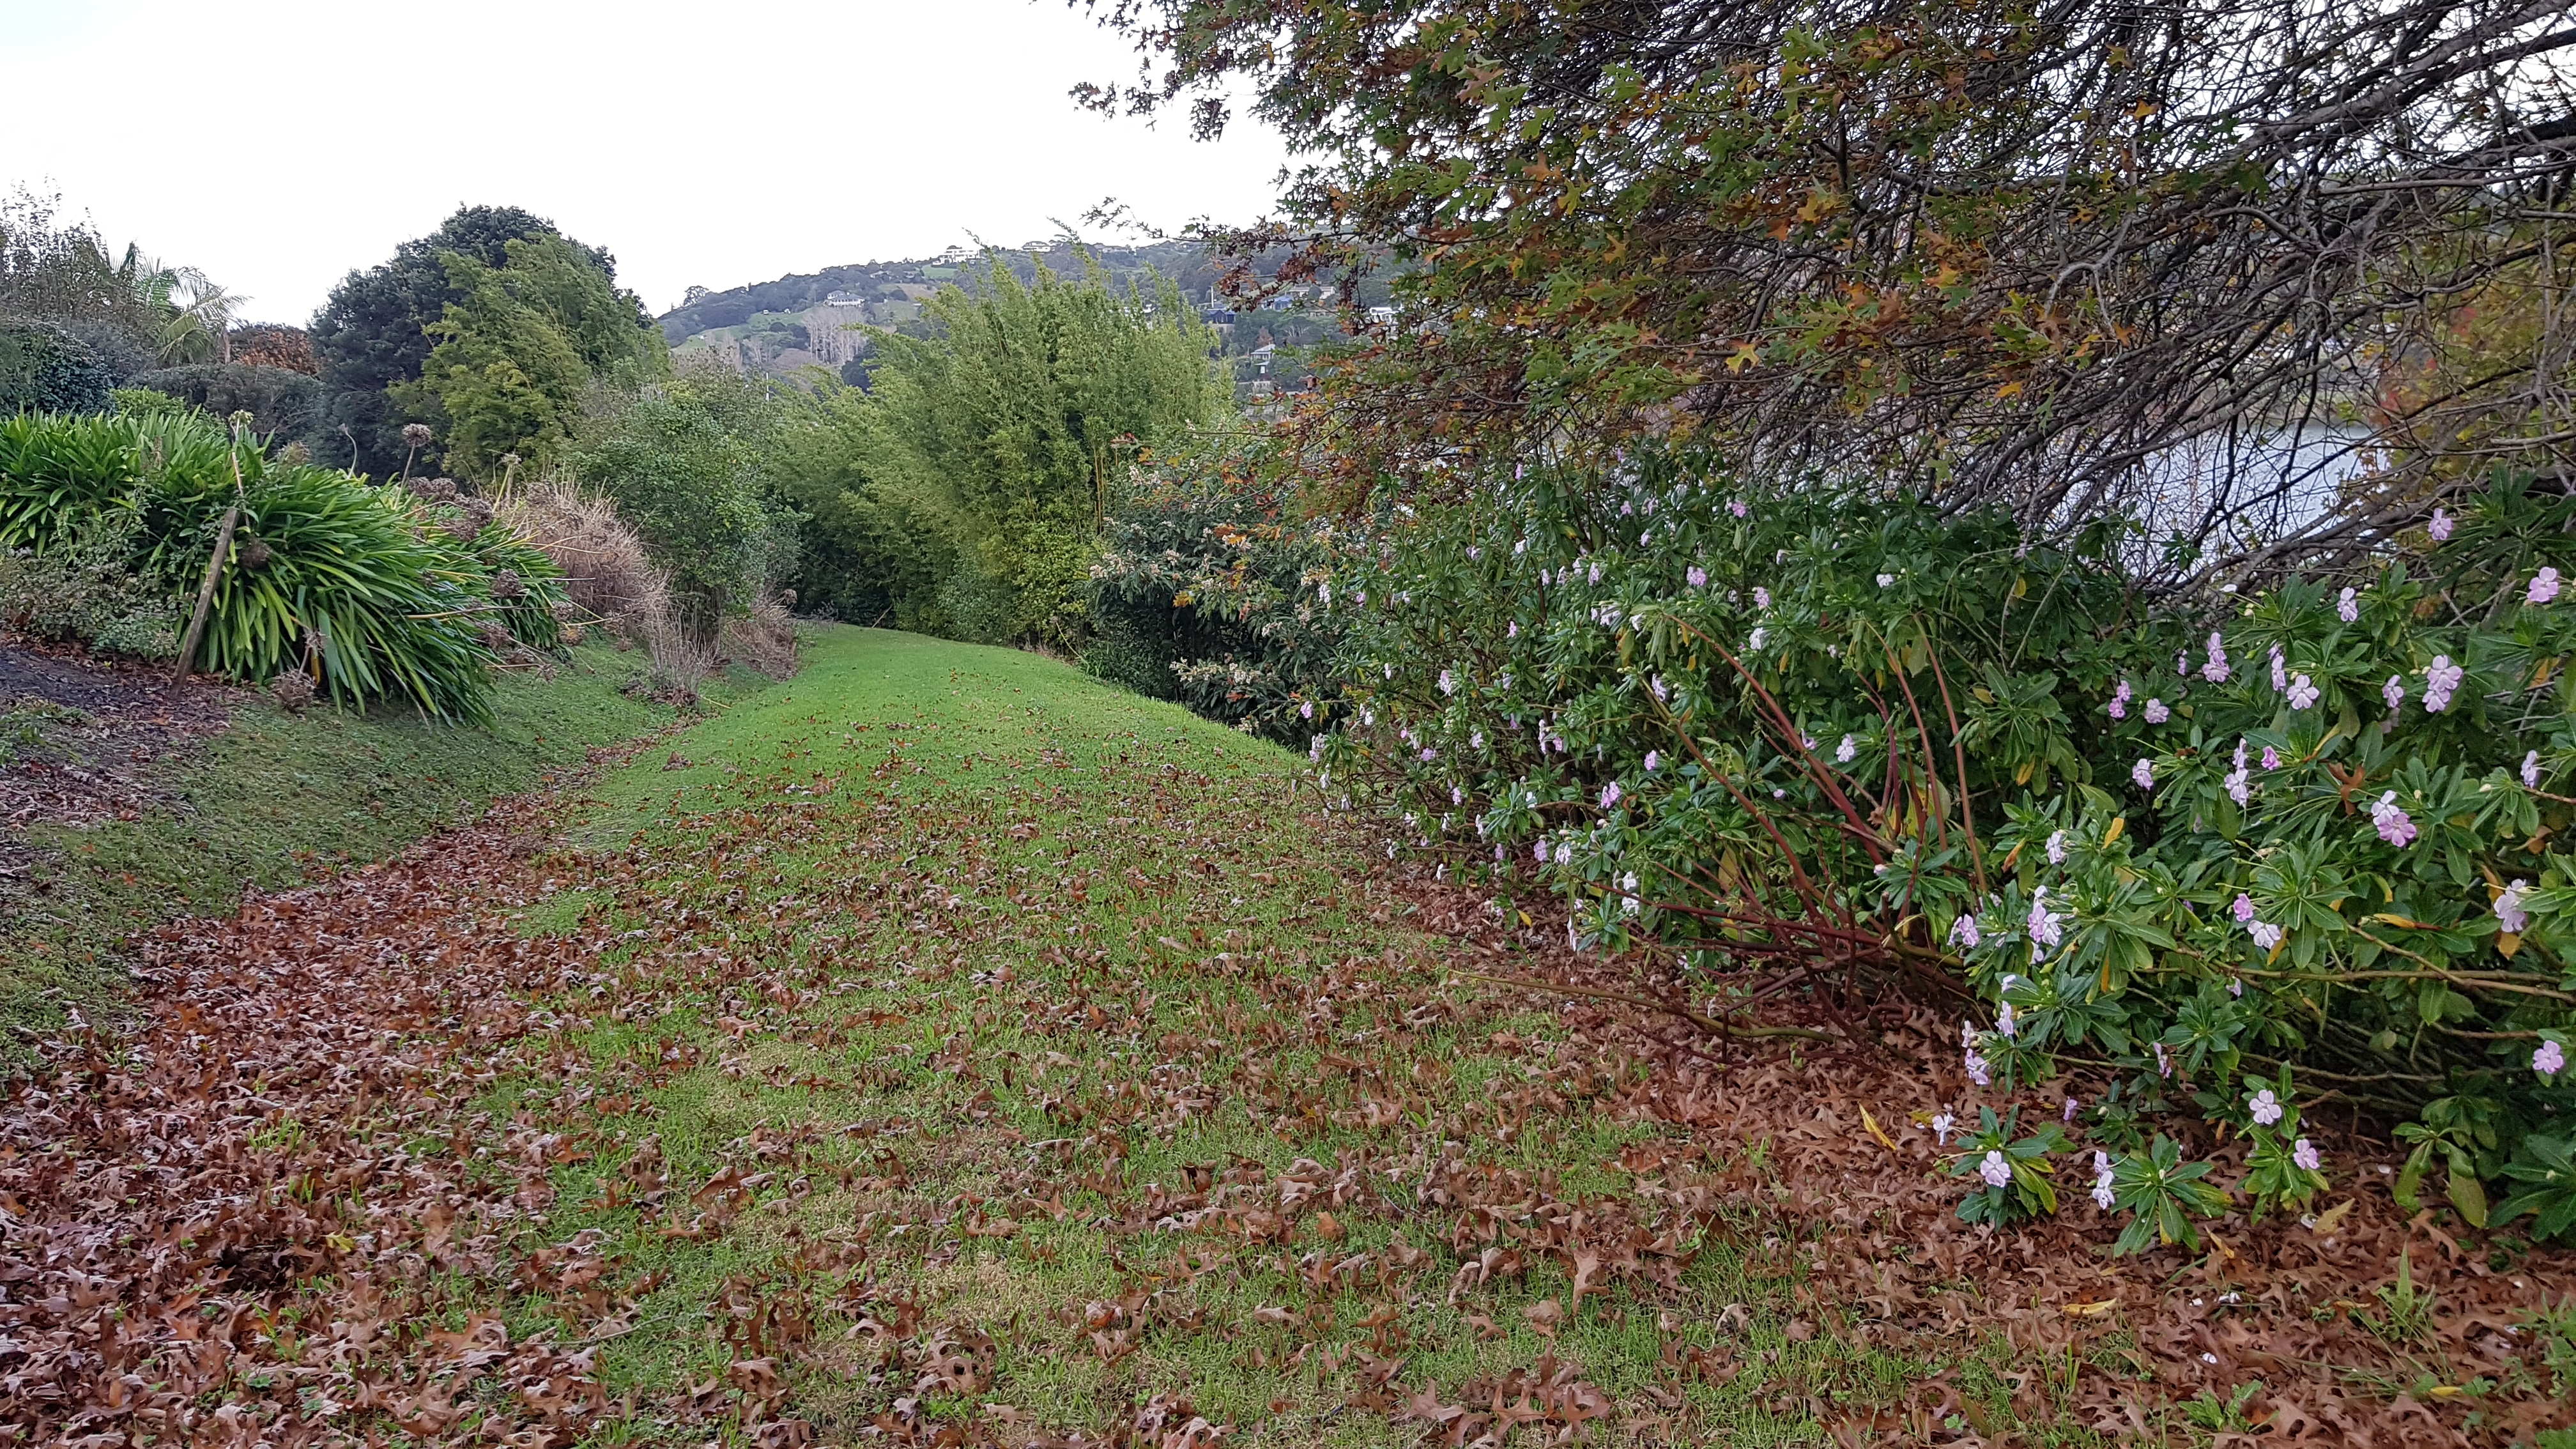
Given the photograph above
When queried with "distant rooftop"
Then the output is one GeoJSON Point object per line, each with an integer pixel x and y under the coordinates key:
{"type": "Point", "coordinates": [845, 299]}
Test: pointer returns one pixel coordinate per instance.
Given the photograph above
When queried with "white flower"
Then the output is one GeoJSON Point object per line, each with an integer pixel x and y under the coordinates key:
{"type": "Point", "coordinates": [2237, 789]}
{"type": "Point", "coordinates": [1759, 635]}
{"type": "Point", "coordinates": [2265, 934]}
{"type": "Point", "coordinates": [2006, 1023]}
{"type": "Point", "coordinates": [1761, 598]}
{"type": "Point", "coordinates": [2531, 770]}
{"type": "Point", "coordinates": [2510, 917]}
{"type": "Point", "coordinates": [1995, 1169]}
{"type": "Point", "coordinates": [1942, 1122]}
{"type": "Point", "coordinates": [1846, 752]}
{"type": "Point", "coordinates": [2057, 847]}
{"type": "Point", "coordinates": [2102, 1194]}
{"type": "Point", "coordinates": [2348, 607]}
{"type": "Point", "coordinates": [1448, 682]}
{"type": "Point", "coordinates": [2280, 670]}
{"type": "Point", "coordinates": [1885, 580]}
{"type": "Point", "coordinates": [2266, 1107]}
{"type": "Point", "coordinates": [2303, 692]}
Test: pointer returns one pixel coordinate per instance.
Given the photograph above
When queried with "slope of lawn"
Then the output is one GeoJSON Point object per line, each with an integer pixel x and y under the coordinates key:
{"type": "Point", "coordinates": [943, 1048]}
{"type": "Point", "coordinates": [1041, 1013]}
{"type": "Point", "coordinates": [275, 798]}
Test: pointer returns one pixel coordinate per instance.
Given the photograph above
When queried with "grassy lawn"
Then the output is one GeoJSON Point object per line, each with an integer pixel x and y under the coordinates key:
{"type": "Point", "coordinates": [272, 800]}
{"type": "Point", "coordinates": [943, 1048]}
{"type": "Point", "coordinates": [978, 1042]}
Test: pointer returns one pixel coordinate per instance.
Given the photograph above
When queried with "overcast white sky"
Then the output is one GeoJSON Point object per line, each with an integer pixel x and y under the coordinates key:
{"type": "Point", "coordinates": [275, 144]}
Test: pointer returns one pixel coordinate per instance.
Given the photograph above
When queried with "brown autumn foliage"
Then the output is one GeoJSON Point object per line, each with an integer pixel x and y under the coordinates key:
{"type": "Point", "coordinates": [274, 1213]}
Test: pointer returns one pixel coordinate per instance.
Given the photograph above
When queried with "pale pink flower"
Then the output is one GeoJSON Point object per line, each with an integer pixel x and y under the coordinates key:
{"type": "Point", "coordinates": [1758, 636]}
{"type": "Point", "coordinates": [2440, 679]}
{"type": "Point", "coordinates": [2144, 772]}
{"type": "Point", "coordinates": [2244, 907]}
{"type": "Point", "coordinates": [2158, 712]}
{"type": "Point", "coordinates": [2046, 926]}
{"type": "Point", "coordinates": [2102, 1194]}
{"type": "Point", "coordinates": [1653, 758]}
{"type": "Point", "coordinates": [2164, 1062]}
{"type": "Point", "coordinates": [2280, 670]}
{"type": "Point", "coordinates": [1977, 1069]}
{"type": "Point", "coordinates": [2265, 934]}
{"type": "Point", "coordinates": [2394, 691]}
{"type": "Point", "coordinates": [2271, 758]}
{"type": "Point", "coordinates": [1610, 795]}
{"type": "Point", "coordinates": [2057, 847]}
{"type": "Point", "coordinates": [2120, 701]}
{"type": "Point", "coordinates": [2531, 770]}
{"type": "Point", "coordinates": [1698, 577]}
{"type": "Point", "coordinates": [1942, 1122]}
{"type": "Point", "coordinates": [2072, 1107]}
{"type": "Point", "coordinates": [2006, 1023]}
{"type": "Point", "coordinates": [1761, 598]}
{"type": "Point", "coordinates": [2394, 825]}
{"type": "Point", "coordinates": [2306, 1158]}
{"type": "Point", "coordinates": [1995, 1170]}
{"type": "Point", "coordinates": [2266, 1107]}
{"type": "Point", "coordinates": [1736, 507]}
{"type": "Point", "coordinates": [1847, 751]}
{"type": "Point", "coordinates": [2348, 607]}
{"type": "Point", "coordinates": [1964, 933]}
{"type": "Point", "coordinates": [2509, 914]}
{"type": "Point", "coordinates": [1429, 754]}
{"type": "Point", "coordinates": [2303, 692]}
{"type": "Point", "coordinates": [2544, 587]}
{"type": "Point", "coordinates": [2440, 527]}
{"type": "Point", "coordinates": [2550, 1060]}
{"type": "Point", "coordinates": [2237, 788]}
{"type": "Point", "coordinates": [2215, 671]}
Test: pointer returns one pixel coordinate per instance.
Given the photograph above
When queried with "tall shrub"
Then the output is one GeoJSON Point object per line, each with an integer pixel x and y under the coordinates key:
{"type": "Point", "coordinates": [2225, 861]}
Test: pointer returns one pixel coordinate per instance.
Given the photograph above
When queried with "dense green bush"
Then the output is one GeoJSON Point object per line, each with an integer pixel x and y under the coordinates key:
{"type": "Point", "coordinates": [1202, 593]}
{"type": "Point", "coordinates": [84, 588]}
{"type": "Point", "coordinates": [45, 369]}
{"type": "Point", "coordinates": [685, 463]}
{"type": "Point", "coordinates": [380, 593]}
{"type": "Point", "coordinates": [285, 406]}
{"type": "Point", "coordinates": [2217, 856]}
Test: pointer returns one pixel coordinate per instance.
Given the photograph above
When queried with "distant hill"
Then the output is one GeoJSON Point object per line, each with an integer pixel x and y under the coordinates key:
{"type": "Point", "coordinates": [1186, 263]}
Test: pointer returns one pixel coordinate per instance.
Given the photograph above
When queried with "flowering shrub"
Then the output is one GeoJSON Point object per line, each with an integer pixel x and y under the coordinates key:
{"type": "Point", "coordinates": [2298, 840]}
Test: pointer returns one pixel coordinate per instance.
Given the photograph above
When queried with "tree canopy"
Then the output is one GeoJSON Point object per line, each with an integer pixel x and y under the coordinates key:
{"type": "Point", "coordinates": [377, 332]}
{"type": "Point", "coordinates": [2005, 250]}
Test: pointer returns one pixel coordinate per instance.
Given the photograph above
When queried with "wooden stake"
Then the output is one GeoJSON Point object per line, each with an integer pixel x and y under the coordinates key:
{"type": "Point", "coordinates": [206, 593]}
{"type": "Point", "coordinates": [215, 564]}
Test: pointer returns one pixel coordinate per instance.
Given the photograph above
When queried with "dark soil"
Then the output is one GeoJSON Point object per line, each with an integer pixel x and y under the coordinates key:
{"type": "Point", "coordinates": [79, 738]}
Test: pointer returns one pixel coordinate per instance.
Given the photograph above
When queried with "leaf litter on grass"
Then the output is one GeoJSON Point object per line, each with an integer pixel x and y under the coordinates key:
{"type": "Point", "coordinates": [945, 1069]}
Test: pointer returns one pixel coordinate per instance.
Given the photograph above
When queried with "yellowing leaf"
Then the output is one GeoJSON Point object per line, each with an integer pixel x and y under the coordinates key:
{"type": "Point", "coordinates": [2091, 1310]}
{"type": "Point", "coordinates": [2332, 1218]}
{"type": "Point", "coordinates": [2118, 824]}
{"type": "Point", "coordinates": [1871, 1123]}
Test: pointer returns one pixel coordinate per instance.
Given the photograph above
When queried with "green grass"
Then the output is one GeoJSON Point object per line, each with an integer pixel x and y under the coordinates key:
{"type": "Point", "coordinates": [274, 799]}
{"type": "Point", "coordinates": [939, 936]}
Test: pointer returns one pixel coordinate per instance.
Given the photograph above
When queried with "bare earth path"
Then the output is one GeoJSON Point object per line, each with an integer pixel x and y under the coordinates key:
{"type": "Point", "coordinates": [944, 1049]}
